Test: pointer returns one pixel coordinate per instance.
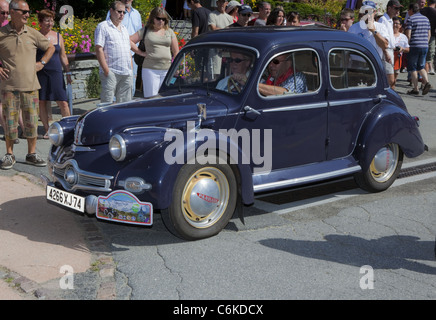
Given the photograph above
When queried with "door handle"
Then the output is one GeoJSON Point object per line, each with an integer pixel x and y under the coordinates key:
{"type": "Point", "coordinates": [249, 109]}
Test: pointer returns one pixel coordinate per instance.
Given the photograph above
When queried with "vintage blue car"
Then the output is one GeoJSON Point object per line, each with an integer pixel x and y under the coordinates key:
{"type": "Point", "coordinates": [241, 111]}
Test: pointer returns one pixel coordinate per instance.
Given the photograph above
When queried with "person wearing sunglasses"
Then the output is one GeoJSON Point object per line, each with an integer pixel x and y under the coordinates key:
{"type": "Point", "coordinates": [240, 67]}
{"type": "Point", "coordinates": [112, 48]}
{"type": "Point", "coordinates": [401, 47]}
{"type": "Point", "coordinates": [133, 22]}
{"type": "Point", "coordinates": [244, 14]}
{"type": "Point", "coordinates": [4, 14]}
{"type": "Point", "coordinates": [347, 19]}
{"type": "Point", "coordinates": [19, 84]}
{"type": "Point", "coordinates": [161, 46]}
{"type": "Point", "coordinates": [282, 78]}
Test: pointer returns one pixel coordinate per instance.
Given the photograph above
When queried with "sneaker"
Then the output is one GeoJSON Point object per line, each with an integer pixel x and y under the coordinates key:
{"type": "Point", "coordinates": [35, 159]}
{"type": "Point", "coordinates": [431, 72]}
{"type": "Point", "coordinates": [8, 161]}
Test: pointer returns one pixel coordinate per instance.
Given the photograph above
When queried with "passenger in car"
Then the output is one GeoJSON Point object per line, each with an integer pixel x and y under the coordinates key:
{"type": "Point", "coordinates": [240, 66]}
{"type": "Point", "coordinates": [281, 78]}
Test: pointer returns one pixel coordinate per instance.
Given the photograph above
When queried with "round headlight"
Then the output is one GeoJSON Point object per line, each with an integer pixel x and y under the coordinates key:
{"type": "Point", "coordinates": [117, 148]}
{"type": "Point", "coordinates": [56, 134]}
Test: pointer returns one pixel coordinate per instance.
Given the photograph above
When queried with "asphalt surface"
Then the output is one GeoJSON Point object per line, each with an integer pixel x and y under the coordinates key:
{"type": "Point", "coordinates": [41, 246]}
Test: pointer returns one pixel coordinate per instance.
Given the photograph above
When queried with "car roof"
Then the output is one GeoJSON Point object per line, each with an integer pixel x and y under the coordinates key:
{"type": "Point", "coordinates": [264, 38]}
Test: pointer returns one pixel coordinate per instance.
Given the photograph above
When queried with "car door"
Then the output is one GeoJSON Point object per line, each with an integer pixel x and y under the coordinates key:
{"type": "Point", "coordinates": [354, 89]}
{"type": "Point", "coordinates": [296, 121]}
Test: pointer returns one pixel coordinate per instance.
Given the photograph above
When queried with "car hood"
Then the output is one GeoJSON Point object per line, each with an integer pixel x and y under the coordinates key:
{"type": "Point", "coordinates": [99, 125]}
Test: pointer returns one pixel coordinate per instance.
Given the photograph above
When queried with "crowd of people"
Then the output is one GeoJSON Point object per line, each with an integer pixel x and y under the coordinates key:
{"type": "Point", "coordinates": [27, 86]}
{"type": "Point", "coordinates": [403, 44]}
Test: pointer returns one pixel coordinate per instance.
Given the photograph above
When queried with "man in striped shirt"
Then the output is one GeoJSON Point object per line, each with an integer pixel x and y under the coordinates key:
{"type": "Point", "coordinates": [418, 33]}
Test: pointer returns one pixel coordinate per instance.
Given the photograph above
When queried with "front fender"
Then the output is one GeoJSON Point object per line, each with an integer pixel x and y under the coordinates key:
{"type": "Point", "coordinates": [161, 164]}
{"type": "Point", "coordinates": [388, 124]}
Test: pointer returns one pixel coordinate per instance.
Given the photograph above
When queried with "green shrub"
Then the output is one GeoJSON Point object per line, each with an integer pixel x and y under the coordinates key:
{"type": "Point", "coordinates": [314, 10]}
{"type": "Point", "coordinates": [93, 84]}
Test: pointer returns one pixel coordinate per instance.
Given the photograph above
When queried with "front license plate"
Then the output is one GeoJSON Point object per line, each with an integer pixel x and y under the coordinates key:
{"type": "Point", "coordinates": [66, 199]}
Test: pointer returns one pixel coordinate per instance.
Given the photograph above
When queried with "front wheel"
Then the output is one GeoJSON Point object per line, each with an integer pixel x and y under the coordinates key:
{"type": "Point", "coordinates": [203, 202]}
{"type": "Point", "coordinates": [384, 169]}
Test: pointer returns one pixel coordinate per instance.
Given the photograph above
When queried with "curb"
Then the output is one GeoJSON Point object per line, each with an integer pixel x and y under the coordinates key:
{"type": "Point", "coordinates": [102, 262]}
{"type": "Point", "coordinates": [102, 265]}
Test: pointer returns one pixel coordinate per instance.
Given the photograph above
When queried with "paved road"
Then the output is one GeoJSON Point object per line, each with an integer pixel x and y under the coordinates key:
{"type": "Point", "coordinates": [315, 248]}
{"type": "Point", "coordinates": [294, 245]}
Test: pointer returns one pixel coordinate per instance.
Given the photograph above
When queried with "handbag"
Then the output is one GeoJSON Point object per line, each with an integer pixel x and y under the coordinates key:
{"type": "Point", "coordinates": [136, 57]}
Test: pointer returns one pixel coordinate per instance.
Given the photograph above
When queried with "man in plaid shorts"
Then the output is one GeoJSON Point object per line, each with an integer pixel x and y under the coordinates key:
{"type": "Point", "coordinates": [19, 84]}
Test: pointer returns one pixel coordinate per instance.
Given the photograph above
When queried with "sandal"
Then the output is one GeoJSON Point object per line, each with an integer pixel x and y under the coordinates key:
{"type": "Point", "coordinates": [45, 136]}
{"type": "Point", "coordinates": [413, 92]}
{"type": "Point", "coordinates": [426, 88]}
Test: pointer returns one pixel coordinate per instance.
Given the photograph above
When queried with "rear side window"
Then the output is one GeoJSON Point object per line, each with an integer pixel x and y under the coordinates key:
{"type": "Point", "coordinates": [350, 69]}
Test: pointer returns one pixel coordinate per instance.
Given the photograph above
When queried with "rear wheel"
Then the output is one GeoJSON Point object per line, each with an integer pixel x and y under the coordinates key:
{"type": "Point", "coordinates": [204, 199]}
{"type": "Point", "coordinates": [384, 169]}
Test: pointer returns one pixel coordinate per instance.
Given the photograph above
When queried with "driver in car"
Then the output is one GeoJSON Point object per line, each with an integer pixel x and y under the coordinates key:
{"type": "Point", "coordinates": [240, 66]}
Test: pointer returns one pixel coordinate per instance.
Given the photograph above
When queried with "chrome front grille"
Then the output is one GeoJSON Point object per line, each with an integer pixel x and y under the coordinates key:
{"type": "Point", "coordinates": [72, 178]}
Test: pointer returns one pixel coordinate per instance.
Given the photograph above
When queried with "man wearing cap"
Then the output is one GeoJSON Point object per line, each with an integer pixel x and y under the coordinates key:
{"type": "Point", "coordinates": [244, 14]}
{"type": "Point", "coordinates": [369, 29]}
{"type": "Point", "coordinates": [232, 9]}
{"type": "Point", "coordinates": [392, 10]}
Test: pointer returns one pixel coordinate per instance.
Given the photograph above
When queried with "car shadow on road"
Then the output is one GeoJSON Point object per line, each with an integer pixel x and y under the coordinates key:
{"type": "Point", "coordinates": [390, 252]}
{"type": "Point", "coordinates": [32, 218]}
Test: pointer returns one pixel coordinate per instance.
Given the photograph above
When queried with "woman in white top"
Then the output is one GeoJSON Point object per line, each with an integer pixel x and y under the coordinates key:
{"type": "Point", "coordinates": [160, 42]}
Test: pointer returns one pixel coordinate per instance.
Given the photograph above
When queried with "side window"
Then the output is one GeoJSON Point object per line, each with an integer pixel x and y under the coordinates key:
{"type": "Point", "coordinates": [291, 72]}
{"type": "Point", "coordinates": [349, 69]}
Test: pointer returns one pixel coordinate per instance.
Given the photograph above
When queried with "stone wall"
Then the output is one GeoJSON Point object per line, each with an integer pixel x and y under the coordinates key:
{"type": "Point", "coordinates": [80, 71]}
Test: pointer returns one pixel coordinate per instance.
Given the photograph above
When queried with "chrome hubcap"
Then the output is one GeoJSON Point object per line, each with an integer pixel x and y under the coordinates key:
{"type": "Point", "coordinates": [385, 162]}
{"type": "Point", "coordinates": [205, 197]}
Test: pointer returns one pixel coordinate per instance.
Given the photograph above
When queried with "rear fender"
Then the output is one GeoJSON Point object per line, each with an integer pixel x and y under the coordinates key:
{"type": "Point", "coordinates": [388, 124]}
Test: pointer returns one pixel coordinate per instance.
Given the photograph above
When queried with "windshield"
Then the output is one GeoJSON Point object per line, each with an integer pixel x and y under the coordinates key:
{"type": "Point", "coordinates": [220, 68]}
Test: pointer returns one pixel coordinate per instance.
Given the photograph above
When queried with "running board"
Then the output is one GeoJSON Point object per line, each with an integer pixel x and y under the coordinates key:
{"type": "Point", "coordinates": [295, 176]}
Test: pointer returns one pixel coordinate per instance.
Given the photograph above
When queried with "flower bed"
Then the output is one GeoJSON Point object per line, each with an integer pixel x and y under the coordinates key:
{"type": "Point", "coordinates": [79, 39]}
